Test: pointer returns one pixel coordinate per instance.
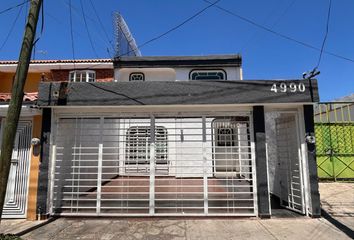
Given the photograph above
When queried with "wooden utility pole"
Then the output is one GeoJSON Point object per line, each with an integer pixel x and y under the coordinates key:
{"type": "Point", "coordinates": [17, 94]}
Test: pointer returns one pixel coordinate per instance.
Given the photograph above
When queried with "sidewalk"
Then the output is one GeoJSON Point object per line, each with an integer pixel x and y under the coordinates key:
{"type": "Point", "coordinates": [16, 226]}
{"type": "Point", "coordinates": [337, 201]}
{"type": "Point", "coordinates": [203, 229]}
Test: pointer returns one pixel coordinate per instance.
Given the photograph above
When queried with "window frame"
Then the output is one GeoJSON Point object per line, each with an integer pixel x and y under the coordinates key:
{"type": "Point", "coordinates": [87, 75]}
{"type": "Point", "coordinates": [131, 74]}
{"type": "Point", "coordinates": [208, 70]}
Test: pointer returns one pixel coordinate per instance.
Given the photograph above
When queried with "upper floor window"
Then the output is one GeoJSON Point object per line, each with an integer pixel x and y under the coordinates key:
{"type": "Point", "coordinates": [82, 76]}
{"type": "Point", "coordinates": [137, 76]}
{"type": "Point", "coordinates": [207, 75]}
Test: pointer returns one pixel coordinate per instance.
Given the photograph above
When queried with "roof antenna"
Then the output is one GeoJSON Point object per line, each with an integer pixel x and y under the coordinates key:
{"type": "Point", "coordinates": [311, 74]}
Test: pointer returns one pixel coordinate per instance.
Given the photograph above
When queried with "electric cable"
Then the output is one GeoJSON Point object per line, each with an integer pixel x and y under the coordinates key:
{"type": "Point", "coordinates": [278, 33]}
{"type": "Point", "coordinates": [87, 30]}
{"type": "Point", "coordinates": [173, 28]}
{"type": "Point", "coordinates": [11, 28]}
{"type": "Point", "coordinates": [13, 7]}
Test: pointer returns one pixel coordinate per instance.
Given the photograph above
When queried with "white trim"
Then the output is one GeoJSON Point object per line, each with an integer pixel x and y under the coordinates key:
{"type": "Point", "coordinates": [52, 160]}
{"type": "Point", "coordinates": [253, 162]}
{"type": "Point", "coordinates": [205, 176]}
{"type": "Point", "coordinates": [267, 165]}
{"type": "Point", "coordinates": [26, 110]}
{"type": "Point", "coordinates": [300, 162]}
{"type": "Point", "coordinates": [305, 169]}
{"type": "Point", "coordinates": [196, 106]}
{"type": "Point", "coordinates": [152, 167]}
{"type": "Point", "coordinates": [99, 168]}
{"type": "Point", "coordinates": [27, 156]}
{"type": "Point", "coordinates": [40, 67]}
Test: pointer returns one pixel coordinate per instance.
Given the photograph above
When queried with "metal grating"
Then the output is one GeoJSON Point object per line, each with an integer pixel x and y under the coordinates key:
{"type": "Point", "coordinates": [16, 192]}
{"type": "Point", "coordinates": [153, 165]}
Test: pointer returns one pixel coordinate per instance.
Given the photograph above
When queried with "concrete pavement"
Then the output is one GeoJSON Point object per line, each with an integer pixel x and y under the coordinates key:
{"type": "Point", "coordinates": [337, 201]}
{"type": "Point", "coordinates": [203, 229]}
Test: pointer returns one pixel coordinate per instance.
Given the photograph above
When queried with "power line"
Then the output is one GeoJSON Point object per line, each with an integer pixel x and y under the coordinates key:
{"type": "Point", "coordinates": [13, 7]}
{"type": "Point", "coordinates": [174, 28]}
{"type": "Point", "coordinates": [326, 34]}
{"type": "Point", "coordinates": [87, 30]}
{"type": "Point", "coordinates": [11, 28]}
{"type": "Point", "coordinates": [88, 18]}
{"type": "Point", "coordinates": [101, 24]}
{"type": "Point", "coordinates": [71, 32]}
{"type": "Point", "coordinates": [278, 33]}
{"type": "Point", "coordinates": [42, 29]}
{"type": "Point", "coordinates": [272, 25]}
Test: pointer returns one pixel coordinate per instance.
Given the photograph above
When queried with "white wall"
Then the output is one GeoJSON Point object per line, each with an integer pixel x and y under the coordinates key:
{"type": "Point", "coordinates": [151, 74]}
{"type": "Point", "coordinates": [172, 74]}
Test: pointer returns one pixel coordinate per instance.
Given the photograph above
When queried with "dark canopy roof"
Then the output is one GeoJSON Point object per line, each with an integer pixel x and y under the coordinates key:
{"type": "Point", "coordinates": [232, 60]}
{"type": "Point", "coordinates": [175, 92]}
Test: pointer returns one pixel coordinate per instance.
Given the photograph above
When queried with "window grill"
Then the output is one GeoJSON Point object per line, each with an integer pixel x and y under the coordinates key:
{"type": "Point", "coordinates": [208, 75]}
{"type": "Point", "coordinates": [138, 76]}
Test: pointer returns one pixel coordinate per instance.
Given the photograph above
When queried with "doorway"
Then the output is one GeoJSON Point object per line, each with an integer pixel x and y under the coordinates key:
{"type": "Point", "coordinates": [285, 162]}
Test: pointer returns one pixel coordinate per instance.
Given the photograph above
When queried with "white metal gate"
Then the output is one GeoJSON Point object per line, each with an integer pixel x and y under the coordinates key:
{"type": "Point", "coordinates": [153, 165]}
{"type": "Point", "coordinates": [17, 185]}
{"type": "Point", "coordinates": [289, 157]}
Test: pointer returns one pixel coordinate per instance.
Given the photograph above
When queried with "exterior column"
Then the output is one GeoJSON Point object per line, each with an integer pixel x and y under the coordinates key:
{"type": "Point", "coordinates": [261, 162]}
{"type": "Point", "coordinates": [314, 208]}
{"type": "Point", "coordinates": [42, 192]}
{"type": "Point", "coordinates": [34, 171]}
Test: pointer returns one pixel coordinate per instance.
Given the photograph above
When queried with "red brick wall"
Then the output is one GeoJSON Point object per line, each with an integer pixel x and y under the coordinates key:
{"type": "Point", "coordinates": [102, 75]}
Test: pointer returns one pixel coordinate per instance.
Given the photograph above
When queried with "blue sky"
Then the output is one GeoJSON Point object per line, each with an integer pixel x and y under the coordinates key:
{"type": "Point", "coordinates": [265, 55]}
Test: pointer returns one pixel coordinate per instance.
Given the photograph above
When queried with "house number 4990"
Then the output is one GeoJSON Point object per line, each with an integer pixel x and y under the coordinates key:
{"type": "Point", "coordinates": [292, 87]}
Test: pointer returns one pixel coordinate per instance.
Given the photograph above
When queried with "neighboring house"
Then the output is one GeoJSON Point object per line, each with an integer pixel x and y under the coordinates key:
{"type": "Point", "coordinates": [23, 185]}
{"type": "Point", "coordinates": [339, 110]}
{"type": "Point", "coordinates": [177, 136]}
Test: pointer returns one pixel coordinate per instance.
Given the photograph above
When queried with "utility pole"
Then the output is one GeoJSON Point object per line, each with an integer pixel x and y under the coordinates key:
{"type": "Point", "coordinates": [17, 94]}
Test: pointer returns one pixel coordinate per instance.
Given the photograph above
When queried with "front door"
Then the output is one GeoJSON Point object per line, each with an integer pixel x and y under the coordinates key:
{"type": "Point", "coordinates": [17, 185]}
{"type": "Point", "coordinates": [289, 161]}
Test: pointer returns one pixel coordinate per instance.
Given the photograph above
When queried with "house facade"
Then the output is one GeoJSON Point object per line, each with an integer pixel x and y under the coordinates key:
{"type": "Point", "coordinates": [177, 136]}
{"type": "Point", "coordinates": [24, 183]}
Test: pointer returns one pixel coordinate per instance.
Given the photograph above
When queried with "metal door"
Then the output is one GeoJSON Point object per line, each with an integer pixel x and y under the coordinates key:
{"type": "Point", "coordinates": [289, 159]}
{"type": "Point", "coordinates": [17, 185]}
{"type": "Point", "coordinates": [152, 165]}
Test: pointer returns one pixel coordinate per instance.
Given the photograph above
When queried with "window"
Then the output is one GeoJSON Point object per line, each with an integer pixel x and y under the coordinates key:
{"type": "Point", "coordinates": [137, 76]}
{"type": "Point", "coordinates": [82, 76]}
{"type": "Point", "coordinates": [138, 148]}
{"type": "Point", "coordinates": [207, 75]}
